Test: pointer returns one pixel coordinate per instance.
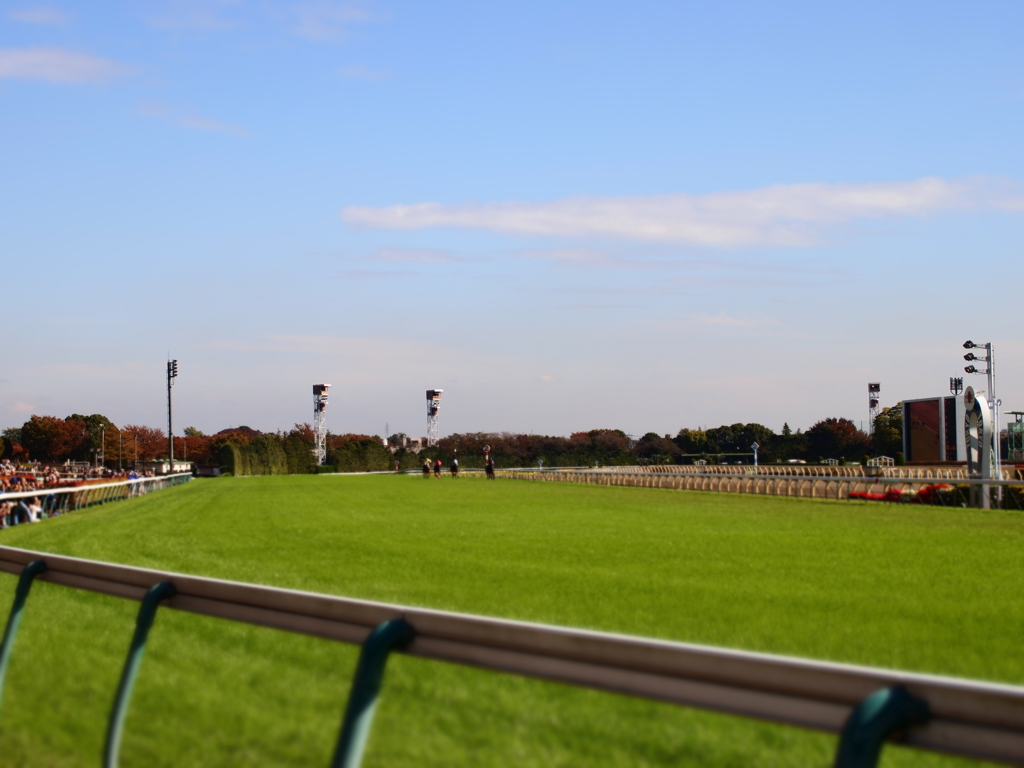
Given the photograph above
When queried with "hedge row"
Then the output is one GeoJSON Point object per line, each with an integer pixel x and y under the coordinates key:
{"type": "Point", "coordinates": [268, 455]}
{"type": "Point", "coordinates": [290, 455]}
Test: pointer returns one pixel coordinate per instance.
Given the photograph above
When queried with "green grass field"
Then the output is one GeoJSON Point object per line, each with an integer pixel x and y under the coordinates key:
{"type": "Point", "coordinates": [924, 589]}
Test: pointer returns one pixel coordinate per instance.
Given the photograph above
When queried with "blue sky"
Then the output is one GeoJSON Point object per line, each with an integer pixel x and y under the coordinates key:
{"type": "Point", "coordinates": [575, 215]}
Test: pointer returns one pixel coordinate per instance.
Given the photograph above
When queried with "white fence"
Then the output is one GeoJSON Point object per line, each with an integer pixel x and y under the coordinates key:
{"type": "Point", "coordinates": [965, 717]}
{"type": "Point", "coordinates": [810, 486]}
{"type": "Point", "coordinates": [59, 501]}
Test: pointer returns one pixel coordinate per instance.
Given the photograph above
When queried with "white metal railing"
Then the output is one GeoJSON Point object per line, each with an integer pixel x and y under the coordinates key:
{"type": "Point", "coordinates": [798, 486]}
{"type": "Point", "coordinates": [938, 472]}
{"type": "Point", "coordinates": [63, 500]}
{"type": "Point", "coordinates": [966, 717]}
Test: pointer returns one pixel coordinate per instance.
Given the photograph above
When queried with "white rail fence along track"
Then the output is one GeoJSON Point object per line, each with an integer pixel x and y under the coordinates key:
{"type": "Point", "coordinates": [813, 486]}
{"type": "Point", "coordinates": [865, 705]}
{"type": "Point", "coordinates": [59, 501]}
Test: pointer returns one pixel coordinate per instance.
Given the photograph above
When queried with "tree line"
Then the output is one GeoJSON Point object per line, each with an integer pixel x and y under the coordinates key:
{"type": "Point", "coordinates": [243, 450]}
{"type": "Point", "coordinates": [832, 438]}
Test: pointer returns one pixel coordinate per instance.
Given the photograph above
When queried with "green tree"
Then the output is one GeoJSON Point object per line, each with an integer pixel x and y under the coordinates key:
{"type": "Point", "coordinates": [47, 438]}
{"type": "Point", "coordinates": [789, 444]}
{"type": "Point", "coordinates": [888, 437]}
{"type": "Point", "coordinates": [363, 453]}
{"type": "Point", "coordinates": [193, 432]}
{"type": "Point", "coordinates": [655, 449]}
{"type": "Point", "coordinates": [835, 438]}
{"type": "Point", "coordinates": [97, 425]}
{"type": "Point", "coordinates": [694, 441]}
{"type": "Point", "coordinates": [729, 438]}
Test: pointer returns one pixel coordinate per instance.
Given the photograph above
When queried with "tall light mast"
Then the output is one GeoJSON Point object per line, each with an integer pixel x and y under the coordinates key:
{"type": "Point", "coordinates": [433, 408]}
{"type": "Point", "coordinates": [874, 397]}
{"type": "Point", "coordinates": [172, 374]}
{"type": "Point", "coordinates": [320, 422]}
{"type": "Point", "coordinates": [993, 401]}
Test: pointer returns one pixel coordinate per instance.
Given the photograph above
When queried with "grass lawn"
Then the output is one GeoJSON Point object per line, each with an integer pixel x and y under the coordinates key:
{"type": "Point", "coordinates": [924, 589]}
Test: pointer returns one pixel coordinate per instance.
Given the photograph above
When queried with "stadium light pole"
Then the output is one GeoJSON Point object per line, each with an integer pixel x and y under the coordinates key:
{"type": "Point", "coordinates": [172, 374]}
{"type": "Point", "coordinates": [993, 402]}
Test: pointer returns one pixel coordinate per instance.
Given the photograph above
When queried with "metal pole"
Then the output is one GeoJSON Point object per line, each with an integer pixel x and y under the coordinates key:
{"type": "Point", "coordinates": [170, 427]}
{"type": "Point", "coordinates": [172, 374]}
{"type": "Point", "coordinates": [878, 717]}
{"type": "Point", "coordinates": [391, 635]}
{"type": "Point", "coordinates": [28, 574]}
{"type": "Point", "coordinates": [993, 405]}
{"type": "Point", "coordinates": [143, 623]}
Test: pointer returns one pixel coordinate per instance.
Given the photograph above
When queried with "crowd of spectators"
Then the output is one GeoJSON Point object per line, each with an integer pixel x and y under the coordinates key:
{"type": "Point", "coordinates": [41, 478]}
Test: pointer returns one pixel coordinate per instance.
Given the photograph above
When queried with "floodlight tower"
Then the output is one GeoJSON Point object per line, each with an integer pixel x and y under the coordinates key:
{"type": "Point", "coordinates": [874, 397]}
{"type": "Point", "coordinates": [433, 408]}
{"type": "Point", "coordinates": [172, 374]}
{"type": "Point", "coordinates": [993, 401]}
{"type": "Point", "coordinates": [320, 422]}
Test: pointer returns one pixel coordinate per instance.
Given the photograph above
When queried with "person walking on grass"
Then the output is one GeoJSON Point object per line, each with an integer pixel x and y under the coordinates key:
{"type": "Point", "coordinates": [426, 468]}
{"type": "Point", "coordinates": [437, 468]}
{"type": "Point", "coordinates": [455, 467]}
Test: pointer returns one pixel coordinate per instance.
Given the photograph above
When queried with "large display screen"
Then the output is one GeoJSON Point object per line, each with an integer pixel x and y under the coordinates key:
{"type": "Point", "coordinates": [921, 420]}
{"type": "Point", "coordinates": [951, 428]}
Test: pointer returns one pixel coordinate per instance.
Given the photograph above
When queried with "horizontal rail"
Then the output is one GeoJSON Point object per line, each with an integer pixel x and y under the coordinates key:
{"type": "Point", "coordinates": [792, 486]}
{"type": "Point", "coordinates": [968, 718]}
{"type": "Point", "coordinates": [860, 480]}
{"type": "Point", "coordinates": [142, 481]}
{"type": "Point", "coordinates": [946, 472]}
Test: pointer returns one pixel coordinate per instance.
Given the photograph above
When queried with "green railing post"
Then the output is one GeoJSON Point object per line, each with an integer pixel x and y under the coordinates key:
{"type": "Point", "coordinates": [28, 575]}
{"type": "Point", "coordinates": [362, 699]}
{"type": "Point", "coordinates": [879, 716]}
{"type": "Point", "coordinates": [147, 614]}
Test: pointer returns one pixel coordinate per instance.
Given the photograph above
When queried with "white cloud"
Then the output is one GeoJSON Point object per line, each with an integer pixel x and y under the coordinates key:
{"type": "Point", "coordinates": [20, 407]}
{"type": "Point", "coordinates": [190, 120]}
{"type": "Point", "coordinates": [1010, 204]}
{"type": "Point", "coordinates": [329, 21]}
{"type": "Point", "coordinates": [206, 15]}
{"type": "Point", "coordinates": [55, 65]}
{"type": "Point", "coordinates": [39, 16]}
{"type": "Point", "coordinates": [205, 124]}
{"type": "Point", "coordinates": [785, 214]}
{"type": "Point", "coordinates": [571, 256]}
{"type": "Point", "coordinates": [414, 256]}
{"type": "Point", "coordinates": [360, 72]}
{"type": "Point", "coordinates": [723, 319]}
{"type": "Point", "coordinates": [590, 258]}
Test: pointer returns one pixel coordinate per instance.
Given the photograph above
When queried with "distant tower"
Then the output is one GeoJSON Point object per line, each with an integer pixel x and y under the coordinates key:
{"type": "Point", "coordinates": [433, 407]}
{"type": "Point", "coordinates": [874, 395]}
{"type": "Point", "coordinates": [320, 422]}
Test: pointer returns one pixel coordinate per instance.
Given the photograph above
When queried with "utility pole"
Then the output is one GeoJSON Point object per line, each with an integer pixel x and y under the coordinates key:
{"type": "Point", "coordinates": [172, 374]}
